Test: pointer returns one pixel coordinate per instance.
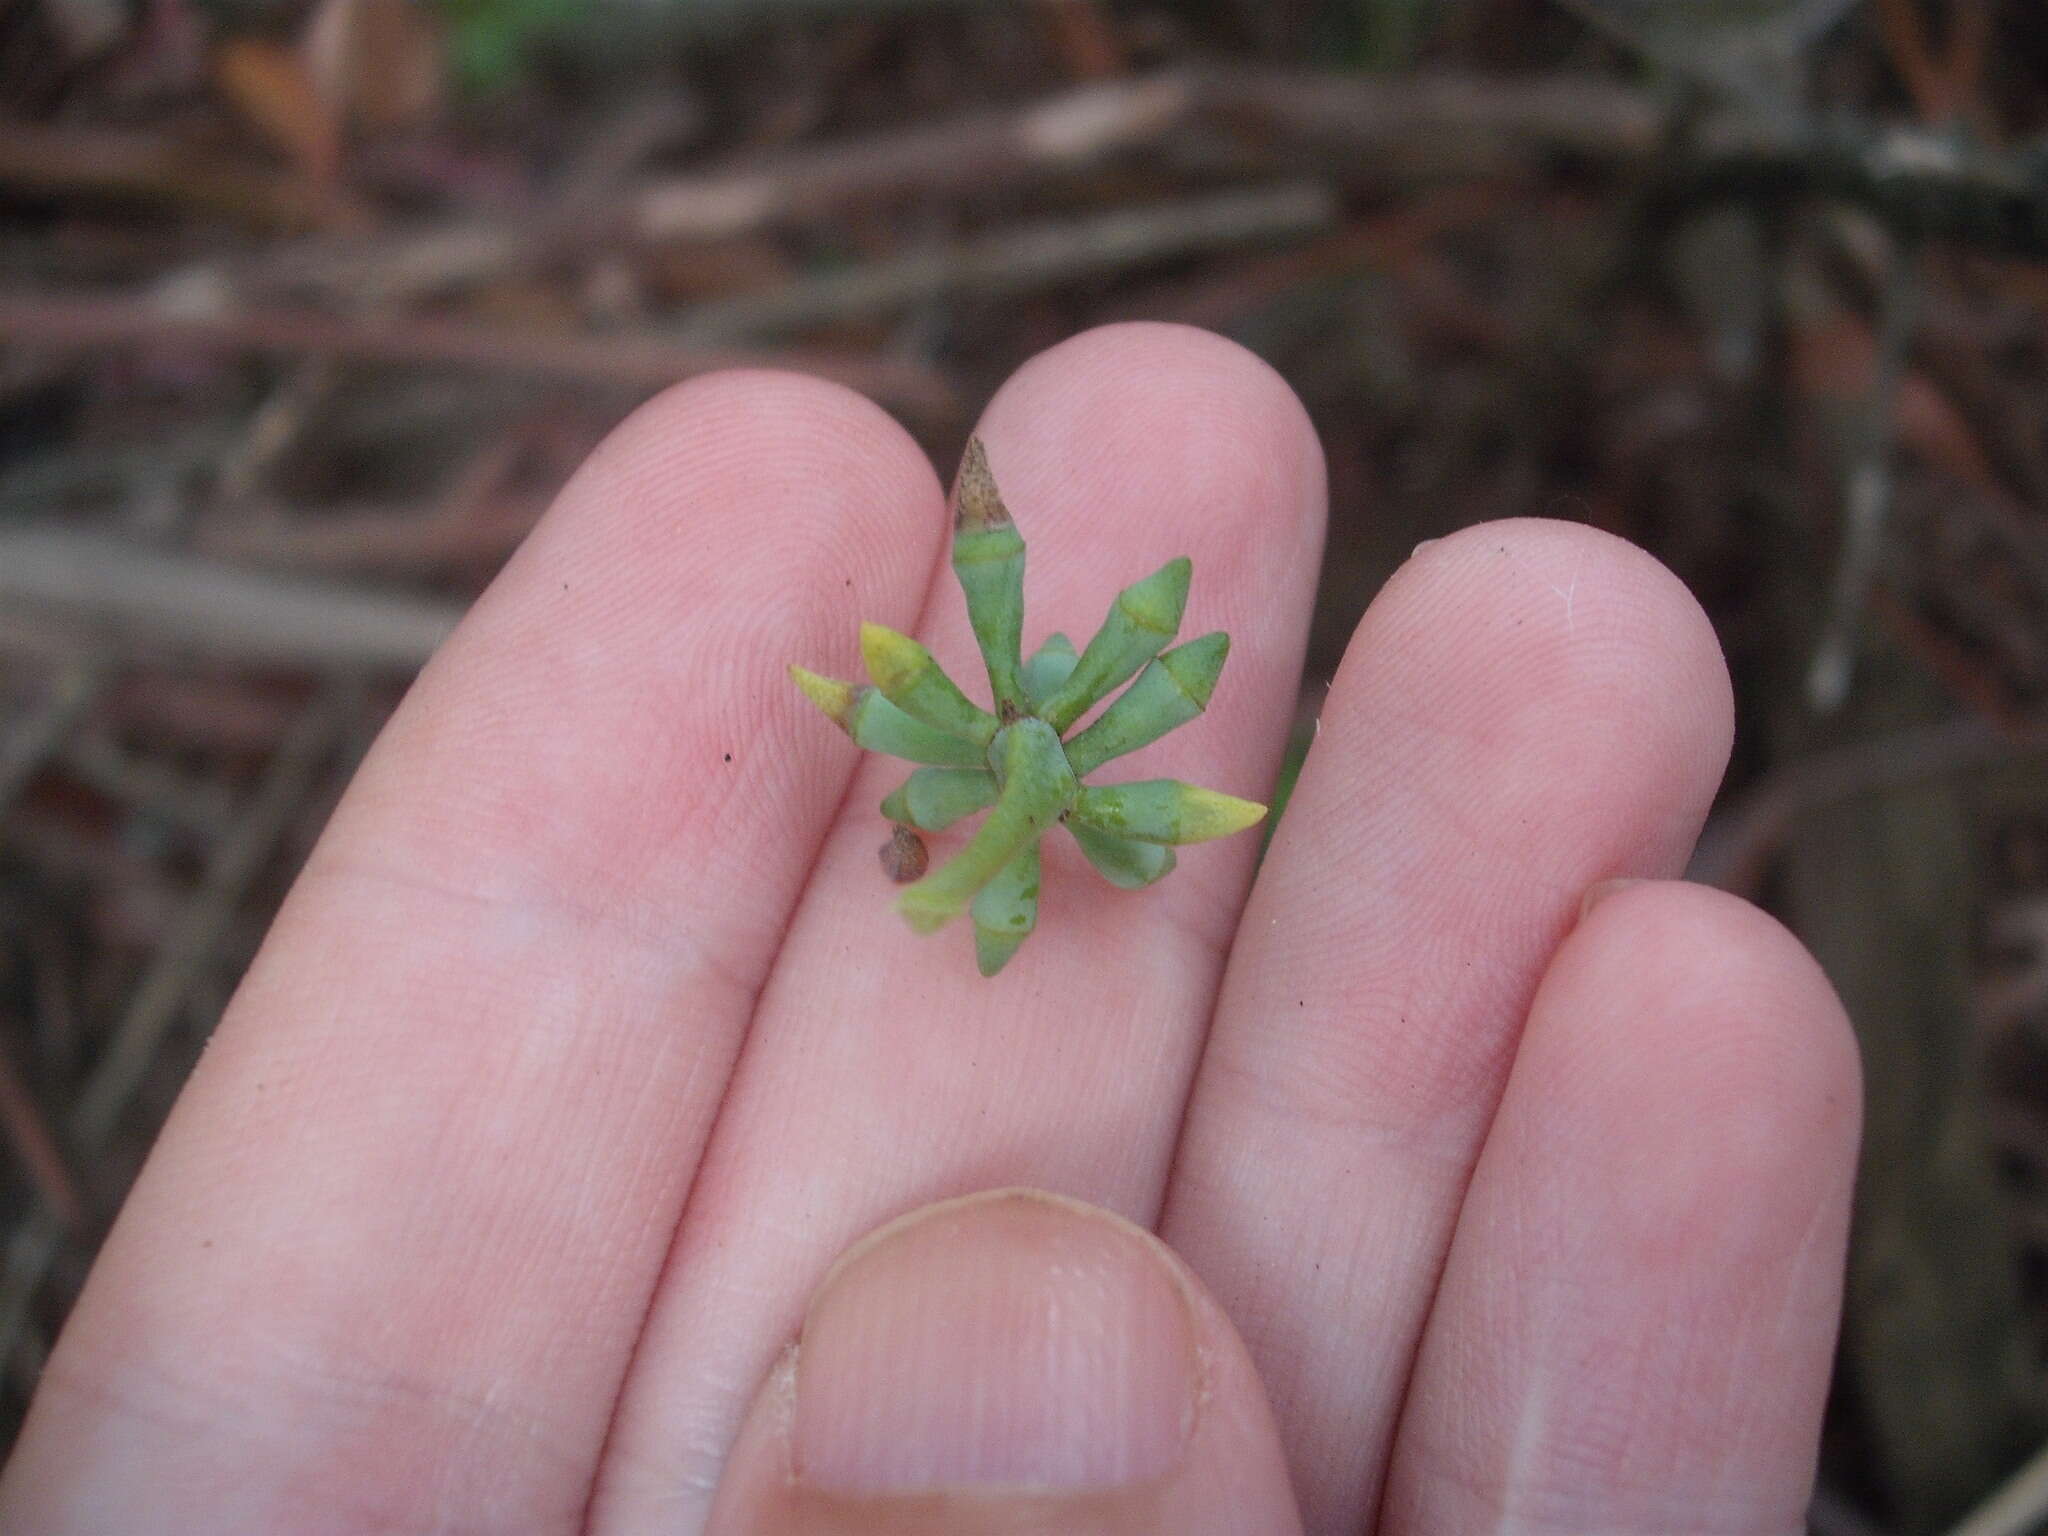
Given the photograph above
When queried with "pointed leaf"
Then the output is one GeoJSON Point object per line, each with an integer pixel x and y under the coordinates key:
{"type": "Point", "coordinates": [934, 798]}
{"type": "Point", "coordinates": [1172, 690]}
{"type": "Point", "coordinates": [1006, 911]}
{"type": "Point", "coordinates": [1050, 665]}
{"type": "Point", "coordinates": [915, 683]}
{"type": "Point", "coordinates": [988, 559]}
{"type": "Point", "coordinates": [1143, 618]}
{"type": "Point", "coordinates": [1123, 862]}
{"type": "Point", "coordinates": [873, 722]}
{"type": "Point", "coordinates": [1164, 811]}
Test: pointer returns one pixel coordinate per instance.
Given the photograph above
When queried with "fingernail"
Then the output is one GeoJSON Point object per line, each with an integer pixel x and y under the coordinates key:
{"type": "Point", "coordinates": [1601, 890]}
{"type": "Point", "coordinates": [1425, 544]}
{"type": "Point", "coordinates": [996, 1343]}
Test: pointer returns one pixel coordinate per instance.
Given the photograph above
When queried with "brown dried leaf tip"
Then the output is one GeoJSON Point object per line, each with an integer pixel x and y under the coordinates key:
{"type": "Point", "coordinates": [977, 504]}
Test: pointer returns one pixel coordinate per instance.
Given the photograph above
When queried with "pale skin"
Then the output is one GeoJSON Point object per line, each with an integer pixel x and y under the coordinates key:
{"type": "Point", "coordinates": [580, 1054]}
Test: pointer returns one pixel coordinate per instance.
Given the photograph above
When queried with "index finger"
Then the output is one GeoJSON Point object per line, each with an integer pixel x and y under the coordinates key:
{"type": "Point", "coordinates": [394, 1247]}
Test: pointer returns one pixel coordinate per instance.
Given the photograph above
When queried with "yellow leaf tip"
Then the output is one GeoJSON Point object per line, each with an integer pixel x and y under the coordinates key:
{"type": "Point", "coordinates": [1215, 814]}
{"type": "Point", "coordinates": [834, 698]}
{"type": "Point", "coordinates": [890, 657]}
{"type": "Point", "coordinates": [923, 916]}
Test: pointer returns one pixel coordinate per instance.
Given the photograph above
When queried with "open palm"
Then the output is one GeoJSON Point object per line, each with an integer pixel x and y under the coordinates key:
{"type": "Point", "coordinates": [588, 1041]}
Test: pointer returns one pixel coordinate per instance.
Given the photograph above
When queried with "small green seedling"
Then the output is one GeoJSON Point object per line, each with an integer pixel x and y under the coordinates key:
{"type": "Point", "coordinates": [1013, 762]}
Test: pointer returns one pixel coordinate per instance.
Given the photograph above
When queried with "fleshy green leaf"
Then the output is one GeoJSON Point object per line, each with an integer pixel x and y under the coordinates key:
{"type": "Point", "coordinates": [988, 559]}
{"type": "Point", "coordinates": [915, 683]}
{"type": "Point", "coordinates": [1164, 811]}
{"type": "Point", "coordinates": [1123, 862]}
{"type": "Point", "coordinates": [1006, 911]}
{"type": "Point", "coordinates": [1143, 618]}
{"type": "Point", "coordinates": [935, 798]}
{"type": "Point", "coordinates": [1172, 690]}
{"type": "Point", "coordinates": [873, 722]}
{"type": "Point", "coordinates": [1050, 665]}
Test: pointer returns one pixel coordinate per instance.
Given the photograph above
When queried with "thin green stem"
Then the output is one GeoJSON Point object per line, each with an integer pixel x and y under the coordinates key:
{"type": "Point", "coordinates": [1037, 785]}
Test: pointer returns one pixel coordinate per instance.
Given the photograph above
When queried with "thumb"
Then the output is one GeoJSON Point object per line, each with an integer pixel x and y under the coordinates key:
{"type": "Point", "coordinates": [1009, 1362]}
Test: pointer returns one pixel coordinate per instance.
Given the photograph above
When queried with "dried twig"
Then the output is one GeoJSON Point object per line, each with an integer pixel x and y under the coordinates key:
{"type": "Point", "coordinates": [154, 168]}
{"type": "Point", "coordinates": [1035, 256]}
{"type": "Point", "coordinates": [1480, 122]}
{"type": "Point", "coordinates": [1074, 128]}
{"type": "Point", "coordinates": [1867, 494]}
{"type": "Point", "coordinates": [150, 598]}
{"type": "Point", "coordinates": [235, 862]}
{"type": "Point", "coordinates": [1450, 121]}
{"type": "Point", "coordinates": [32, 739]}
{"type": "Point", "coordinates": [180, 961]}
{"type": "Point", "coordinates": [28, 1133]}
{"type": "Point", "coordinates": [625, 361]}
{"type": "Point", "coordinates": [405, 541]}
{"type": "Point", "coordinates": [1738, 844]}
{"type": "Point", "coordinates": [450, 254]}
{"type": "Point", "coordinates": [201, 807]}
{"type": "Point", "coordinates": [1920, 183]}
{"type": "Point", "coordinates": [2017, 1509]}
{"type": "Point", "coordinates": [1944, 87]}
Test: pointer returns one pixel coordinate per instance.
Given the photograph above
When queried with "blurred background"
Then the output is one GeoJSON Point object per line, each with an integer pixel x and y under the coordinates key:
{"type": "Point", "coordinates": [308, 306]}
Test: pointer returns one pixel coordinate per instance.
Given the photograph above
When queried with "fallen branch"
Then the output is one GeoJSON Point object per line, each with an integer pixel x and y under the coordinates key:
{"type": "Point", "coordinates": [31, 740]}
{"type": "Point", "coordinates": [1480, 122]}
{"type": "Point", "coordinates": [1461, 123]}
{"type": "Point", "coordinates": [1736, 849]}
{"type": "Point", "coordinates": [629, 361]}
{"type": "Point", "coordinates": [1035, 256]}
{"type": "Point", "coordinates": [157, 600]}
{"type": "Point", "coordinates": [1073, 128]}
{"type": "Point", "coordinates": [167, 985]}
{"type": "Point", "coordinates": [153, 168]}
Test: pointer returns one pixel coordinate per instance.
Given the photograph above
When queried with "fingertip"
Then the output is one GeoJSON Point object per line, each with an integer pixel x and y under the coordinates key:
{"type": "Point", "coordinates": [1542, 592]}
{"type": "Point", "coordinates": [1095, 417]}
{"type": "Point", "coordinates": [765, 416]}
{"type": "Point", "coordinates": [1723, 1013]}
{"type": "Point", "coordinates": [1634, 1327]}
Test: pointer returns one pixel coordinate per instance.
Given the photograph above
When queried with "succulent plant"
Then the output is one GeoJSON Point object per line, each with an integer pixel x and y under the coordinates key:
{"type": "Point", "coordinates": [1016, 760]}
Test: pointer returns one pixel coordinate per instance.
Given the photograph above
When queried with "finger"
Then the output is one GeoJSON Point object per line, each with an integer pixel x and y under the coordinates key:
{"type": "Point", "coordinates": [388, 1262]}
{"type": "Point", "coordinates": [1636, 1321]}
{"type": "Point", "coordinates": [882, 1071]}
{"type": "Point", "coordinates": [1527, 708]}
{"type": "Point", "coordinates": [1009, 1363]}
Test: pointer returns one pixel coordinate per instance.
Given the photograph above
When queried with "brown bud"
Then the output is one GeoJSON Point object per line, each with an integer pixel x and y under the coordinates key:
{"type": "Point", "coordinates": [904, 856]}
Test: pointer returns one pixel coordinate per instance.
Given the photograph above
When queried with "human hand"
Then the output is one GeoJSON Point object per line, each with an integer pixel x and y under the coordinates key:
{"type": "Point", "coordinates": [588, 1041]}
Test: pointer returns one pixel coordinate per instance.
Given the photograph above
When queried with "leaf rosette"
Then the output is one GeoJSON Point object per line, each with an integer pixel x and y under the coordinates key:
{"type": "Point", "coordinates": [1017, 760]}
